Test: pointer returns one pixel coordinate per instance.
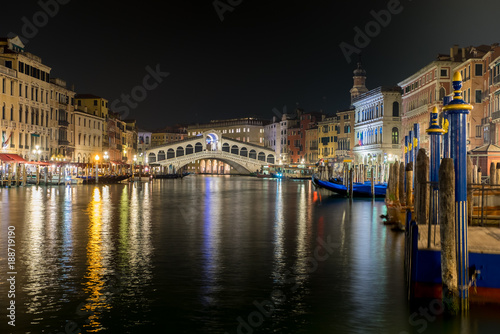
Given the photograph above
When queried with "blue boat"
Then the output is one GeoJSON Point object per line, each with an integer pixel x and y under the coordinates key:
{"type": "Point", "coordinates": [359, 189]}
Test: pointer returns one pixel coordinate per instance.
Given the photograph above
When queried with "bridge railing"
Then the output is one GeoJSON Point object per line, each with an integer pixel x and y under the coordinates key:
{"type": "Point", "coordinates": [212, 154]}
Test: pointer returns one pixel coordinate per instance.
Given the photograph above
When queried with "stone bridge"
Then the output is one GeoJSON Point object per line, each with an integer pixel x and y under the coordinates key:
{"type": "Point", "coordinates": [242, 156]}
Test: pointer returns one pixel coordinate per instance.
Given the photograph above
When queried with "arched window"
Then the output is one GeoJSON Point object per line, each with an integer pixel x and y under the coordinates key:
{"type": "Point", "coordinates": [395, 109]}
{"type": "Point", "coordinates": [161, 155]}
{"type": "Point", "coordinates": [189, 149]}
{"type": "Point", "coordinates": [442, 93]}
{"type": "Point", "coordinates": [198, 147]}
{"type": "Point", "coordinates": [395, 135]}
{"type": "Point", "coordinates": [152, 157]}
{"type": "Point", "coordinates": [180, 151]}
{"type": "Point", "coordinates": [170, 153]}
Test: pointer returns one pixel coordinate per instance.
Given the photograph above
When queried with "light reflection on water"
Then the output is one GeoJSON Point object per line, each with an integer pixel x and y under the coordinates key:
{"type": "Point", "coordinates": [197, 255]}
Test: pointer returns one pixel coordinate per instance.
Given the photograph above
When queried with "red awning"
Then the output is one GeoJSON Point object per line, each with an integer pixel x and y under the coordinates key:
{"type": "Point", "coordinates": [41, 163]}
{"type": "Point", "coordinates": [12, 158]}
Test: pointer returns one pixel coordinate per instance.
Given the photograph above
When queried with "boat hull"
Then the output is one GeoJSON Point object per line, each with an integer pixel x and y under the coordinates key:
{"type": "Point", "coordinates": [359, 189]}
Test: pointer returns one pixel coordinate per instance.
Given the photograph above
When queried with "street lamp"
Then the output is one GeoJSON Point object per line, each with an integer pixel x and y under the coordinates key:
{"type": "Point", "coordinates": [37, 152]}
{"type": "Point", "coordinates": [96, 168]}
{"type": "Point", "coordinates": [106, 157]}
{"type": "Point", "coordinates": [133, 166]}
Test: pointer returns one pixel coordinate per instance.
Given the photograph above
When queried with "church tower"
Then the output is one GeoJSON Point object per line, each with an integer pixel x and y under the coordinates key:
{"type": "Point", "coordinates": [359, 86]}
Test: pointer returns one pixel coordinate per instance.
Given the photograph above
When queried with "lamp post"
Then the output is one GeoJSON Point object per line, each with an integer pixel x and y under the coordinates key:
{"type": "Point", "coordinates": [133, 166]}
{"type": "Point", "coordinates": [96, 169]}
{"type": "Point", "coordinates": [37, 153]}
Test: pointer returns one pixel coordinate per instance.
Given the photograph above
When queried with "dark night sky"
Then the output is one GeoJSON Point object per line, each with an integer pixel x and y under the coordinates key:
{"type": "Point", "coordinates": [264, 55]}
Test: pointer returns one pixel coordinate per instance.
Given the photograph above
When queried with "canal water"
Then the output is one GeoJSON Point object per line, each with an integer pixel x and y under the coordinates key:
{"type": "Point", "coordinates": [221, 254]}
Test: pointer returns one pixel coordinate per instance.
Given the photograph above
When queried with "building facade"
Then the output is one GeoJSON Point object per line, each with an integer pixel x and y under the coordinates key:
{"type": "Point", "coordinates": [345, 135]}
{"type": "Point", "coordinates": [37, 111]}
{"type": "Point", "coordinates": [326, 137]}
{"type": "Point", "coordinates": [246, 129]}
{"type": "Point", "coordinates": [377, 126]}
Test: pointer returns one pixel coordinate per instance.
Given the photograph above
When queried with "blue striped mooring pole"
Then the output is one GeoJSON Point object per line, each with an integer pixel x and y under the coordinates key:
{"type": "Point", "coordinates": [434, 131]}
{"type": "Point", "coordinates": [446, 137]}
{"type": "Point", "coordinates": [416, 141]}
{"type": "Point", "coordinates": [457, 111]}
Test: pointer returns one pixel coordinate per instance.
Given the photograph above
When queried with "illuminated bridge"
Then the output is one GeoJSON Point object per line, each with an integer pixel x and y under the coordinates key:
{"type": "Point", "coordinates": [242, 156]}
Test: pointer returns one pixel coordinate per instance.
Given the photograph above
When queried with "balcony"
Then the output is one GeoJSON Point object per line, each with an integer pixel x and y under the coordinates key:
{"type": "Point", "coordinates": [8, 71]}
{"type": "Point", "coordinates": [63, 122]}
{"type": "Point", "coordinates": [63, 142]}
{"type": "Point", "coordinates": [495, 116]}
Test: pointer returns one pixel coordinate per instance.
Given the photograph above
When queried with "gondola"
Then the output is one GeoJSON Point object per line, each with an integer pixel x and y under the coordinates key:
{"type": "Point", "coordinates": [359, 189]}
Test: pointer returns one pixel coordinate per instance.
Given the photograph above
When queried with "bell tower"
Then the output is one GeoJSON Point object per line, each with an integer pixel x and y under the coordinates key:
{"type": "Point", "coordinates": [359, 86]}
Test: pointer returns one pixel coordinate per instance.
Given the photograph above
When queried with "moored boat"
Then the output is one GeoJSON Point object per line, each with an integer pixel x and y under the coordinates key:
{"type": "Point", "coordinates": [359, 189]}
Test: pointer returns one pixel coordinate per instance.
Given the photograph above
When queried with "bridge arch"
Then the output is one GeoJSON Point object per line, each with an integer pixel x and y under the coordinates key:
{"type": "Point", "coordinates": [161, 155]}
{"type": "Point", "coordinates": [179, 151]}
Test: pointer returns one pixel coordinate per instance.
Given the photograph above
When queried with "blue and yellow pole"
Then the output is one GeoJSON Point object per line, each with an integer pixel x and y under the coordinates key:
{"type": "Point", "coordinates": [416, 141]}
{"type": "Point", "coordinates": [410, 146]}
{"type": "Point", "coordinates": [446, 137]}
{"type": "Point", "coordinates": [435, 131]}
{"type": "Point", "coordinates": [457, 111]}
{"type": "Point", "coordinates": [406, 157]}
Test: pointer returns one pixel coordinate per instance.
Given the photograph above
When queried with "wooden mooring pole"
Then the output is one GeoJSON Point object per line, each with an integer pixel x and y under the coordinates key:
{"type": "Point", "coordinates": [447, 222]}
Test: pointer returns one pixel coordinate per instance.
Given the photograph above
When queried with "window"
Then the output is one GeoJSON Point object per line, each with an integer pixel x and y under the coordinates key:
{"type": "Point", "coordinates": [478, 70]}
{"type": "Point", "coordinates": [478, 95]}
{"type": "Point", "coordinates": [478, 131]}
{"type": "Point", "coordinates": [95, 102]}
{"type": "Point", "coordinates": [395, 109]}
{"type": "Point", "coordinates": [395, 135]}
{"type": "Point", "coordinates": [442, 93]}
{"type": "Point", "coordinates": [444, 72]}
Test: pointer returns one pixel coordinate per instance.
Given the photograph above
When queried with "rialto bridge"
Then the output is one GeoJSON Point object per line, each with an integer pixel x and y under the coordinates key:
{"type": "Point", "coordinates": [208, 147]}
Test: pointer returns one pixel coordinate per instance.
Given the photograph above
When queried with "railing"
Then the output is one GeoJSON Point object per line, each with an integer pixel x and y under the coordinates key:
{"type": "Point", "coordinates": [495, 115]}
{"type": "Point", "coordinates": [63, 142]}
{"type": "Point", "coordinates": [485, 120]}
{"type": "Point", "coordinates": [63, 122]}
{"type": "Point", "coordinates": [8, 71]}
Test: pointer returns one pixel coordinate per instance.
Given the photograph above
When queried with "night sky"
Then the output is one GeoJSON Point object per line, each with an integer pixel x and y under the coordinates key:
{"type": "Point", "coordinates": [263, 55]}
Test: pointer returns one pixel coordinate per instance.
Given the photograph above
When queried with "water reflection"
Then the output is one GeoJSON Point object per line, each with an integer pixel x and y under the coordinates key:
{"type": "Point", "coordinates": [94, 284]}
{"type": "Point", "coordinates": [211, 242]}
{"type": "Point", "coordinates": [136, 264]}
